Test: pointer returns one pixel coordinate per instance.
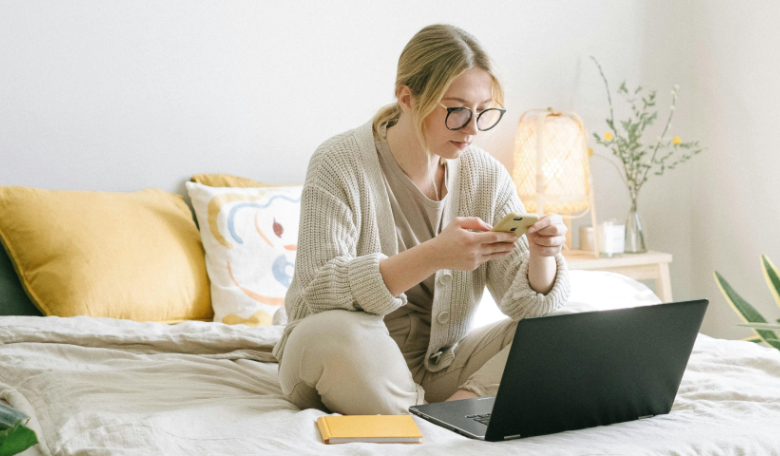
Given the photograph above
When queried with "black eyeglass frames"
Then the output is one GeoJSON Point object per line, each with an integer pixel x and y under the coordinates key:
{"type": "Point", "coordinates": [460, 116]}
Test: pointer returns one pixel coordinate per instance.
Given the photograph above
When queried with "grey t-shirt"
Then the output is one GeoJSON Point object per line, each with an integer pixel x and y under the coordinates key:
{"type": "Point", "coordinates": [417, 219]}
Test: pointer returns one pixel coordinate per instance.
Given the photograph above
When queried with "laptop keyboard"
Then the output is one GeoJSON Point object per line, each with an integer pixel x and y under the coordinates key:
{"type": "Point", "coordinates": [483, 418]}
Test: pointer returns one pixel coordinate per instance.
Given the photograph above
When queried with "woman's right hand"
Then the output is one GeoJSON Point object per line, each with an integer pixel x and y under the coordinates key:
{"type": "Point", "coordinates": [458, 249]}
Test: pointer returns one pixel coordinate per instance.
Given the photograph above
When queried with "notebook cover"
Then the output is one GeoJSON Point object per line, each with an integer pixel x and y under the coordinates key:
{"type": "Point", "coordinates": [367, 426]}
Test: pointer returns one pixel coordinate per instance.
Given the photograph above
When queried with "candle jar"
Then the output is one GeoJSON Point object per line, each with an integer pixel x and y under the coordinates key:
{"type": "Point", "coordinates": [587, 238]}
{"type": "Point", "coordinates": [612, 235]}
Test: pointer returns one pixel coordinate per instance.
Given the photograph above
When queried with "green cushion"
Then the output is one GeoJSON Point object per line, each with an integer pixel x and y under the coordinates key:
{"type": "Point", "coordinates": [13, 299]}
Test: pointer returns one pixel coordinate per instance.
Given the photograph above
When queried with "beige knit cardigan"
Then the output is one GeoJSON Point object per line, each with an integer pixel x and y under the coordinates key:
{"type": "Point", "coordinates": [347, 227]}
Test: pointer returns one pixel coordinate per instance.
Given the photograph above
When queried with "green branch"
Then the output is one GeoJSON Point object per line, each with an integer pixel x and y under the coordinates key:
{"type": "Point", "coordinates": [637, 159]}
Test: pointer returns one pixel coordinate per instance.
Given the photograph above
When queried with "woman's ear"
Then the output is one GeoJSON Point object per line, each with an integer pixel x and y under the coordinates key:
{"type": "Point", "coordinates": [405, 99]}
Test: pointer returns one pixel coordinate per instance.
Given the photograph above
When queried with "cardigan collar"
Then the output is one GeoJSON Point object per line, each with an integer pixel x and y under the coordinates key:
{"type": "Point", "coordinates": [387, 235]}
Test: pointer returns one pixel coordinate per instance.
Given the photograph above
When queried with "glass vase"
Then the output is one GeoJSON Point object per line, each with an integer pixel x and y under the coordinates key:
{"type": "Point", "coordinates": [635, 236]}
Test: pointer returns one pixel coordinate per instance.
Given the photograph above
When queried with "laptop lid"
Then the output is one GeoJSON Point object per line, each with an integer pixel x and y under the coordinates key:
{"type": "Point", "coordinates": [587, 369]}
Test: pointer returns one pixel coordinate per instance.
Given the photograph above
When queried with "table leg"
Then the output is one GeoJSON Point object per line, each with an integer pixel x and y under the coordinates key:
{"type": "Point", "coordinates": [663, 284]}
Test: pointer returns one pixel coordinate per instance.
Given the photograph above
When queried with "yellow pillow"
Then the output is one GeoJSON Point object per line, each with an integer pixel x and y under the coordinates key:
{"type": "Point", "coordinates": [229, 180]}
{"type": "Point", "coordinates": [135, 256]}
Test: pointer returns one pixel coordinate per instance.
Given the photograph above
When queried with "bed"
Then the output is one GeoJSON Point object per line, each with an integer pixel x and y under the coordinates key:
{"type": "Point", "coordinates": [101, 386]}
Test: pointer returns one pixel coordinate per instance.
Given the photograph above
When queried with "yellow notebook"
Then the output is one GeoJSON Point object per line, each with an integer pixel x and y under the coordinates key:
{"type": "Point", "coordinates": [369, 428]}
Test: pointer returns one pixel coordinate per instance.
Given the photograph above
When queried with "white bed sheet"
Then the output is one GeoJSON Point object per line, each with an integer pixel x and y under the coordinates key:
{"type": "Point", "coordinates": [115, 387]}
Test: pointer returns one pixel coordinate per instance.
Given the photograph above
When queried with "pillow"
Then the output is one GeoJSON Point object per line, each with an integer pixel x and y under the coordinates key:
{"type": "Point", "coordinates": [228, 180]}
{"type": "Point", "coordinates": [250, 235]}
{"type": "Point", "coordinates": [590, 291]}
{"type": "Point", "coordinates": [135, 256]}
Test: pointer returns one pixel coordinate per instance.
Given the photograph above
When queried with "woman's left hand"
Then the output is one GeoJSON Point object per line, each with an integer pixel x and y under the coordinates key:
{"type": "Point", "coordinates": [547, 236]}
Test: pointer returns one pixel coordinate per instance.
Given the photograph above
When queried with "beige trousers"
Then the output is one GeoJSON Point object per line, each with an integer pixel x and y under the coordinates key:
{"type": "Point", "coordinates": [356, 363]}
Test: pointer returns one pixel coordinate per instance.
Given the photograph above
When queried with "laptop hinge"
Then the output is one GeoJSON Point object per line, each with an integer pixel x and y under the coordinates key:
{"type": "Point", "coordinates": [645, 417]}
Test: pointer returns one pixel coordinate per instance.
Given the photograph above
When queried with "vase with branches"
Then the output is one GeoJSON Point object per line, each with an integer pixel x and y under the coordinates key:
{"type": "Point", "coordinates": [639, 158]}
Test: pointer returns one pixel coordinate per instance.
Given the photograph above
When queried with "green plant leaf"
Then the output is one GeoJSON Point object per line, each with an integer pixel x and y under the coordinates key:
{"type": "Point", "coordinates": [19, 440]}
{"type": "Point", "coordinates": [743, 308]}
{"type": "Point", "coordinates": [759, 325]}
{"type": "Point", "coordinates": [754, 339]}
{"type": "Point", "coordinates": [772, 277]}
{"type": "Point", "coordinates": [773, 342]}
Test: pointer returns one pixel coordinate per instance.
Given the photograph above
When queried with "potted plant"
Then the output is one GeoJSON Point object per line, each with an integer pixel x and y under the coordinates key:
{"type": "Point", "coordinates": [15, 437]}
{"type": "Point", "coordinates": [639, 158]}
{"type": "Point", "coordinates": [765, 331]}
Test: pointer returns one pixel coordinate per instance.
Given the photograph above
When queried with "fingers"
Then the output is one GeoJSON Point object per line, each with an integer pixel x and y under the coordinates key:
{"type": "Point", "coordinates": [493, 237]}
{"type": "Point", "coordinates": [549, 241]}
{"type": "Point", "coordinates": [498, 247]}
{"type": "Point", "coordinates": [472, 223]}
{"type": "Point", "coordinates": [552, 230]}
{"type": "Point", "coordinates": [497, 250]}
{"type": "Point", "coordinates": [551, 225]}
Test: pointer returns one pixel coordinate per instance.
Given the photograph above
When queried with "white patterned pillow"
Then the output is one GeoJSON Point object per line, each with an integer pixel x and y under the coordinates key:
{"type": "Point", "coordinates": [250, 236]}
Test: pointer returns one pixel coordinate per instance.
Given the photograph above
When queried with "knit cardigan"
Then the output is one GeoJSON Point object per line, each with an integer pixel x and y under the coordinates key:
{"type": "Point", "coordinates": [347, 228]}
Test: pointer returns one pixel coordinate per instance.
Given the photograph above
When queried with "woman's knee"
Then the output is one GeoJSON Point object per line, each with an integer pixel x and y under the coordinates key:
{"type": "Point", "coordinates": [333, 339]}
{"type": "Point", "coordinates": [339, 331]}
{"type": "Point", "coordinates": [351, 362]}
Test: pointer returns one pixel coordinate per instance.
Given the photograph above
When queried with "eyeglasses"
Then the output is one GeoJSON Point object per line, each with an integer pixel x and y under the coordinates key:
{"type": "Point", "coordinates": [460, 116]}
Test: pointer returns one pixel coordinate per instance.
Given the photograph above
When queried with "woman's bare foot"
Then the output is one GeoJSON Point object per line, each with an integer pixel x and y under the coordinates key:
{"type": "Point", "coordinates": [462, 394]}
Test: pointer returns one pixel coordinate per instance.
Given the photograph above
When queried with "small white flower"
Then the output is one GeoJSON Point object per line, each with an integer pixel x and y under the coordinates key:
{"type": "Point", "coordinates": [672, 92]}
{"type": "Point", "coordinates": [676, 86]}
{"type": "Point", "coordinates": [671, 108]}
{"type": "Point", "coordinates": [659, 138]}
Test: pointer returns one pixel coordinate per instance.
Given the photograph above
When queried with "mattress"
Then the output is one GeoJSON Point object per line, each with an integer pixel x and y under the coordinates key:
{"type": "Point", "coordinates": [101, 386]}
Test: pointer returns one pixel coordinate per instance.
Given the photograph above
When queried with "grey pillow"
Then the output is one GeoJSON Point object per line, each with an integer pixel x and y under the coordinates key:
{"type": "Point", "coordinates": [13, 299]}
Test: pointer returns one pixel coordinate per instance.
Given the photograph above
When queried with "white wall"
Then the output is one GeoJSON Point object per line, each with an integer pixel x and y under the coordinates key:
{"type": "Point", "coordinates": [126, 94]}
{"type": "Point", "coordinates": [736, 202]}
{"type": "Point", "coordinates": [661, 53]}
{"type": "Point", "coordinates": [123, 95]}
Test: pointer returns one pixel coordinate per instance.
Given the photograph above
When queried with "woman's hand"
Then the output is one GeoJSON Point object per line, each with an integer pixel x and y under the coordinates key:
{"type": "Point", "coordinates": [547, 236]}
{"type": "Point", "coordinates": [459, 249]}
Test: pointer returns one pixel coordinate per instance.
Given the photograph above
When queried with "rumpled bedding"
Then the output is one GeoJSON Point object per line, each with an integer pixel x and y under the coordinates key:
{"type": "Point", "coordinates": [97, 386]}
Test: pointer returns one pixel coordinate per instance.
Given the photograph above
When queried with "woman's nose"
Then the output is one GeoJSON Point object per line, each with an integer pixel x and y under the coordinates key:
{"type": "Point", "coordinates": [471, 127]}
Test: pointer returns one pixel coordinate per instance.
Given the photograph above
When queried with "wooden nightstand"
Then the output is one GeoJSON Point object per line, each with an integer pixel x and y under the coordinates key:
{"type": "Point", "coordinates": [639, 266]}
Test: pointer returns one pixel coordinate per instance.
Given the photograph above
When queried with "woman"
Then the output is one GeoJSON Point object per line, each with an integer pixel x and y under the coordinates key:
{"type": "Point", "coordinates": [394, 247]}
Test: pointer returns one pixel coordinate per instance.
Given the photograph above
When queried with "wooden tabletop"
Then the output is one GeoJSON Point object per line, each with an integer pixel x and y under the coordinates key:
{"type": "Point", "coordinates": [582, 259]}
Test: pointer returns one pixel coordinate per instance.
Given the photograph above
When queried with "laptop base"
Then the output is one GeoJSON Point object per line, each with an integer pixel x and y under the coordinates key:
{"type": "Point", "coordinates": [459, 415]}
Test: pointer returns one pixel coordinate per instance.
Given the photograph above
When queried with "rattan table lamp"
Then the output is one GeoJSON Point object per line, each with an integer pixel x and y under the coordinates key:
{"type": "Point", "coordinates": [552, 168]}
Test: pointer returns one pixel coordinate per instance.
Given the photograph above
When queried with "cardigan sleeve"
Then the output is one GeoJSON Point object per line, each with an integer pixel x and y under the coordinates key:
{"type": "Point", "coordinates": [507, 277]}
{"type": "Point", "coordinates": [328, 271]}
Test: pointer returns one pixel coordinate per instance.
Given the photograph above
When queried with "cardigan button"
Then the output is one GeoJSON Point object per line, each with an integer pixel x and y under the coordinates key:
{"type": "Point", "coordinates": [434, 359]}
{"type": "Point", "coordinates": [443, 317]}
{"type": "Point", "coordinates": [445, 278]}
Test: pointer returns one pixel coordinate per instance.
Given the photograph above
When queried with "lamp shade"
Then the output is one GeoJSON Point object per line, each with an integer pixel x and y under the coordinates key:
{"type": "Point", "coordinates": [551, 170]}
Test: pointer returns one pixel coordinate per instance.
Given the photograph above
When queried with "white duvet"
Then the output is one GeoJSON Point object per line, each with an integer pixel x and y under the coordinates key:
{"type": "Point", "coordinates": [106, 387]}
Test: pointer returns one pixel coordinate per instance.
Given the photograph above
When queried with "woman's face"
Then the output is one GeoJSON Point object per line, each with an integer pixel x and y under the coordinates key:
{"type": "Point", "coordinates": [473, 90]}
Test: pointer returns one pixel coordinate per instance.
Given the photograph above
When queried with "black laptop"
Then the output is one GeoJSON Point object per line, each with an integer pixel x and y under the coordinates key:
{"type": "Point", "coordinates": [580, 370]}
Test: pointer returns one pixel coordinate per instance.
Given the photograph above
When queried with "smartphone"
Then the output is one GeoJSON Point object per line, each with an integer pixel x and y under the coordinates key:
{"type": "Point", "coordinates": [516, 223]}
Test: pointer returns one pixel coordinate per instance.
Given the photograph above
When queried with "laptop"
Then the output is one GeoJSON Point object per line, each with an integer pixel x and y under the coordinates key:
{"type": "Point", "coordinates": [574, 371]}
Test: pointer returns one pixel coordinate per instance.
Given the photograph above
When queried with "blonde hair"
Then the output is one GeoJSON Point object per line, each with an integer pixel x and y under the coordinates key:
{"type": "Point", "coordinates": [432, 59]}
